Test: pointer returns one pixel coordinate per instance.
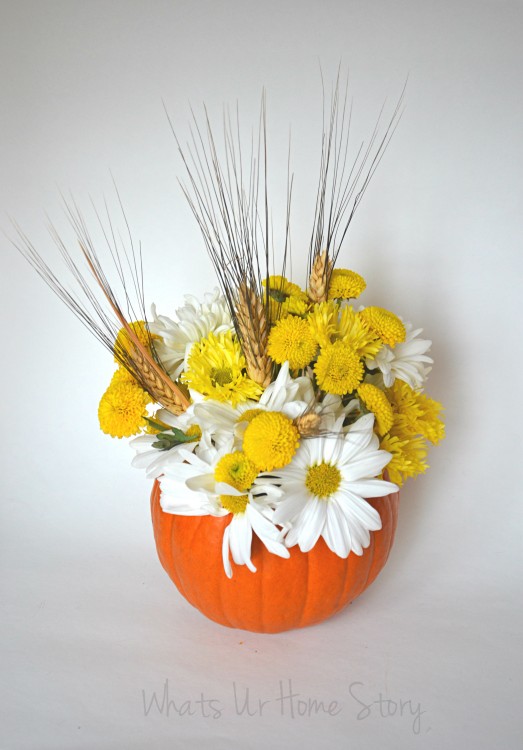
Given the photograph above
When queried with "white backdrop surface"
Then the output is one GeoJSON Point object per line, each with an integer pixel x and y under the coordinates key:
{"type": "Point", "coordinates": [94, 635]}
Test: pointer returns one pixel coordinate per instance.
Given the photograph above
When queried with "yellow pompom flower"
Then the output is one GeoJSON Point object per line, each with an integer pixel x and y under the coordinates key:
{"type": "Point", "coordinates": [216, 369]}
{"type": "Point", "coordinates": [122, 410]}
{"type": "Point", "coordinates": [237, 470]}
{"type": "Point", "coordinates": [123, 342]}
{"type": "Point", "coordinates": [408, 456]}
{"type": "Point", "coordinates": [345, 284]}
{"type": "Point", "coordinates": [419, 413]}
{"type": "Point", "coordinates": [338, 369]}
{"type": "Point", "coordinates": [291, 340]}
{"type": "Point", "coordinates": [271, 440]}
{"type": "Point", "coordinates": [377, 402]}
{"type": "Point", "coordinates": [387, 326]}
{"type": "Point", "coordinates": [122, 375]}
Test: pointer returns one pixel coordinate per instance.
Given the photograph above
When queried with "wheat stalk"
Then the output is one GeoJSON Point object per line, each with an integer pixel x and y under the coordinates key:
{"type": "Point", "coordinates": [320, 278]}
{"type": "Point", "coordinates": [251, 319]}
{"type": "Point", "coordinates": [139, 361]}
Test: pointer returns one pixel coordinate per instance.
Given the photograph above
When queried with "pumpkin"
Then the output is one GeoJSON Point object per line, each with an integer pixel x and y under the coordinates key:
{"type": "Point", "coordinates": [284, 593]}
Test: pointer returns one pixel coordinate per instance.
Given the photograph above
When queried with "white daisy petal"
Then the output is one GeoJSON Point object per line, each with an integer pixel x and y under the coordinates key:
{"type": "Point", "coordinates": [240, 539]}
{"type": "Point", "coordinates": [373, 487]}
{"type": "Point", "coordinates": [312, 523]}
{"type": "Point", "coordinates": [340, 513]}
{"type": "Point", "coordinates": [266, 531]}
{"type": "Point", "coordinates": [406, 361]}
{"type": "Point", "coordinates": [225, 552]}
{"type": "Point", "coordinates": [367, 465]}
{"type": "Point", "coordinates": [289, 508]}
{"type": "Point", "coordinates": [333, 533]}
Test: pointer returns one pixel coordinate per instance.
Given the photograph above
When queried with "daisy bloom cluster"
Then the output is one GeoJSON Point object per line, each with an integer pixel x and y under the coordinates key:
{"type": "Point", "coordinates": [342, 417]}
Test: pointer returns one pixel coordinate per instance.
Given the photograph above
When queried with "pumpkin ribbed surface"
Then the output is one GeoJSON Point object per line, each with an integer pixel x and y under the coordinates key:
{"type": "Point", "coordinates": [284, 593]}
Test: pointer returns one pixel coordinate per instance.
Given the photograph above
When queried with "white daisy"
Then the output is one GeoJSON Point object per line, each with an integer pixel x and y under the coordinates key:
{"type": "Point", "coordinates": [196, 321]}
{"type": "Point", "coordinates": [153, 460]}
{"type": "Point", "coordinates": [192, 488]}
{"type": "Point", "coordinates": [324, 486]}
{"type": "Point", "coordinates": [290, 396]}
{"type": "Point", "coordinates": [406, 361]}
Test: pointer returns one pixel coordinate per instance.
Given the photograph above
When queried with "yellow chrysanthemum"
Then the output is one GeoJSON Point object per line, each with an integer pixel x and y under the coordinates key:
{"type": "Point", "coordinates": [271, 440]}
{"type": "Point", "coordinates": [121, 375]}
{"type": "Point", "coordinates": [338, 369]}
{"type": "Point", "coordinates": [290, 306]}
{"type": "Point", "coordinates": [385, 324]}
{"type": "Point", "coordinates": [418, 412]}
{"type": "Point", "coordinates": [122, 409]}
{"type": "Point", "coordinates": [291, 340]}
{"type": "Point", "coordinates": [237, 470]}
{"type": "Point", "coordinates": [285, 298]}
{"type": "Point", "coordinates": [345, 284]}
{"type": "Point", "coordinates": [323, 321]}
{"type": "Point", "coordinates": [377, 402]}
{"type": "Point", "coordinates": [431, 426]}
{"type": "Point", "coordinates": [330, 323]}
{"type": "Point", "coordinates": [216, 369]}
{"type": "Point", "coordinates": [123, 343]}
{"type": "Point", "coordinates": [354, 333]}
{"type": "Point", "coordinates": [408, 456]}
{"type": "Point", "coordinates": [280, 287]}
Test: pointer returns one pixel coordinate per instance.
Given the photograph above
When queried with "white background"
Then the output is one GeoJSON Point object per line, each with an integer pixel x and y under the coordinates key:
{"type": "Point", "coordinates": [89, 618]}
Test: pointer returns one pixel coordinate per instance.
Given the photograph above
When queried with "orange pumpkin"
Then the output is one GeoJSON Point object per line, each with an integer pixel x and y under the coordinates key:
{"type": "Point", "coordinates": [284, 593]}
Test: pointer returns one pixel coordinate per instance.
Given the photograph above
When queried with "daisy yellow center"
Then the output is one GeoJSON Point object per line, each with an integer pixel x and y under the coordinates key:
{"type": "Point", "coordinates": [249, 415]}
{"type": "Point", "coordinates": [194, 431]}
{"type": "Point", "coordinates": [323, 480]}
{"type": "Point", "coordinates": [377, 402]}
{"type": "Point", "coordinates": [221, 375]}
{"type": "Point", "coordinates": [292, 340]}
{"type": "Point", "coordinates": [237, 470]}
{"type": "Point", "coordinates": [385, 324]}
{"type": "Point", "coordinates": [271, 440]}
{"type": "Point", "coordinates": [234, 503]}
{"type": "Point", "coordinates": [339, 369]}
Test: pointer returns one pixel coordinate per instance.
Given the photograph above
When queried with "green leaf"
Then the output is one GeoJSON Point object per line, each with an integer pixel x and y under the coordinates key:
{"type": "Point", "coordinates": [156, 425]}
{"type": "Point", "coordinates": [170, 438]}
{"type": "Point", "coordinates": [181, 436]}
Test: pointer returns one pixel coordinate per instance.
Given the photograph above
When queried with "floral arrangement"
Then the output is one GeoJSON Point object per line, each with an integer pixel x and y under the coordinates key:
{"type": "Point", "coordinates": [290, 441]}
{"type": "Point", "coordinates": [282, 407]}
